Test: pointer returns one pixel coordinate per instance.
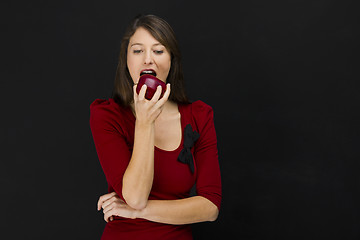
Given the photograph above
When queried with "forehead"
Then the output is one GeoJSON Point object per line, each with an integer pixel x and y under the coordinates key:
{"type": "Point", "coordinates": [142, 37]}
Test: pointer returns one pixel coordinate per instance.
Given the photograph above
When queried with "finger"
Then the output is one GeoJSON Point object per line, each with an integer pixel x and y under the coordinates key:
{"type": "Point", "coordinates": [109, 207]}
{"type": "Point", "coordinates": [167, 91]}
{"type": "Point", "coordinates": [164, 98]}
{"type": "Point", "coordinates": [156, 95]}
{"type": "Point", "coordinates": [142, 92]}
{"type": "Point", "coordinates": [108, 202]}
{"type": "Point", "coordinates": [108, 214]}
{"type": "Point", "coordinates": [113, 199]}
{"type": "Point", "coordinates": [135, 95]}
{"type": "Point", "coordinates": [106, 218]}
{"type": "Point", "coordinates": [136, 83]}
{"type": "Point", "coordinates": [103, 198]}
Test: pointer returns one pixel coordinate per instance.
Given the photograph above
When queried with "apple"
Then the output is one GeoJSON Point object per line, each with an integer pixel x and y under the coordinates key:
{"type": "Point", "coordinates": [152, 83]}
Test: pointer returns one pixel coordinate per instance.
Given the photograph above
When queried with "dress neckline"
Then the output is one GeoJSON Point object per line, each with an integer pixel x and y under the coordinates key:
{"type": "Point", "coordinates": [182, 135]}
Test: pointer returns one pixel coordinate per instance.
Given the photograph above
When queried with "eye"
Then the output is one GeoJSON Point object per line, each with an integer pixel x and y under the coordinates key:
{"type": "Point", "coordinates": [158, 51]}
{"type": "Point", "coordinates": [137, 51]}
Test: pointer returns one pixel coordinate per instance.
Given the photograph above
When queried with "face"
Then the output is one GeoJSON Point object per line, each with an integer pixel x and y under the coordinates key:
{"type": "Point", "coordinates": [147, 53]}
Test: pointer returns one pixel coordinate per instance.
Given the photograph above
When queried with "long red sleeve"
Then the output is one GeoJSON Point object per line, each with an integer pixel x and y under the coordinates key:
{"type": "Point", "coordinates": [208, 180]}
{"type": "Point", "coordinates": [113, 152]}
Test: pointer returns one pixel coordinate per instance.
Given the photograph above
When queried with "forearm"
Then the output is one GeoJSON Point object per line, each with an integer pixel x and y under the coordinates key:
{"type": "Point", "coordinates": [182, 211]}
{"type": "Point", "coordinates": [138, 177]}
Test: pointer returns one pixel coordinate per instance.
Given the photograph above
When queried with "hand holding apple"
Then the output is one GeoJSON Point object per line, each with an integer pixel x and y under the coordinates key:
{"type": "Point", "coordinates": [147, 111]}
{"type": "Point", "coordinates": [151, 83]}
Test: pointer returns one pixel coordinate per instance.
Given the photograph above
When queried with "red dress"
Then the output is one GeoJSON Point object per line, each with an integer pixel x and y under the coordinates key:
{"type": "Point", "coordinates": [113, 128]}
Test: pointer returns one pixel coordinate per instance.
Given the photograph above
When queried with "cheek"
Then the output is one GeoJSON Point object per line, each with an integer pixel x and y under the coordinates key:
{"type": "Point", "coordinates": [169, 65]}
{"type": "Point", "coordinates": [166, 63]}
{"type": "Point", "coordinates": [131, 64]}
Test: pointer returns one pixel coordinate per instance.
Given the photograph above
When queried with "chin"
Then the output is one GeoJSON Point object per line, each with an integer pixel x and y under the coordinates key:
{"type": "Point", "coordinates": [162, 78]}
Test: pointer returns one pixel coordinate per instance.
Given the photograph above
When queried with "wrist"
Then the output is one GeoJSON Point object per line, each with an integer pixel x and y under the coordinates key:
{"type": "Point", "coordinates": [142, 213]}
{"type": "Point", "coordinates": [144, 124]}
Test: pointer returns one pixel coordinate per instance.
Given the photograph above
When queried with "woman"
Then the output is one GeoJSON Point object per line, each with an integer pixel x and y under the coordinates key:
{"type": "Point", "coordinates": [154, 151]}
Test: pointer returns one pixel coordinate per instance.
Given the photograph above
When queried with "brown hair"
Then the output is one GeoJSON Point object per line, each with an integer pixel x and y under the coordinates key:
{"type": "Point", "coordinates": [161, 31]}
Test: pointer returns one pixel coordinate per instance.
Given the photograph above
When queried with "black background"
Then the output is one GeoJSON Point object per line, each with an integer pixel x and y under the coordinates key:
{"type": "Point", "coordinates": [281, 76]}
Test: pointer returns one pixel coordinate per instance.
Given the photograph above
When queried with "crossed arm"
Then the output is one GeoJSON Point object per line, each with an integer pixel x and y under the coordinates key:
{"type": "Point", "coordinates": [182, 211]}
{"type": "Point", "coordinates": [132, 190]}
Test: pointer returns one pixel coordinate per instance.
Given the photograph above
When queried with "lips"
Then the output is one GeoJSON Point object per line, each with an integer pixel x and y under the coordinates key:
{"type": "Point", "coordinates": [148, 71]}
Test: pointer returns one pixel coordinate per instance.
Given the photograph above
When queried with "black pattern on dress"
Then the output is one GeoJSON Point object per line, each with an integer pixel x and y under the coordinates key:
{"type": "Point", "coordinates": [185, 155]}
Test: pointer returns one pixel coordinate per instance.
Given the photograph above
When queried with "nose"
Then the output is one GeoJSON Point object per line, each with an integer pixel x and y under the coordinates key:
{"type": "Point", "coordinates": [148, 58]}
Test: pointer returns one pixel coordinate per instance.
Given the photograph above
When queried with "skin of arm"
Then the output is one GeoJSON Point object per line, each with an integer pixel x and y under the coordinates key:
{"type": "Point", "coordinates": [182, 211]}
{"type": "Point", "coordinates": [138, 177]}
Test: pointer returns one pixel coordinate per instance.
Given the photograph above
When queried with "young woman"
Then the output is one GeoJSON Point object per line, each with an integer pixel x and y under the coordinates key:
{"type": "Point", "coordinates": [154, 151]}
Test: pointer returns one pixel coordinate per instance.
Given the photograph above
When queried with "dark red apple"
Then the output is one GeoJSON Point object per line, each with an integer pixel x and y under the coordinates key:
{"type": "Point", "coordinates": [152, 83]}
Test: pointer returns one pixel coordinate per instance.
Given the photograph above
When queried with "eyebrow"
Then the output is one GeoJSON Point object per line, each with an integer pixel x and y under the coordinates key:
{"type": "Point", "coordinates": [156, 44]}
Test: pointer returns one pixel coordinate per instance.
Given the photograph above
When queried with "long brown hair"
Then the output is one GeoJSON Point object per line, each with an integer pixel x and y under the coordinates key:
{"type": "Point", "coordinates": [161, 31]}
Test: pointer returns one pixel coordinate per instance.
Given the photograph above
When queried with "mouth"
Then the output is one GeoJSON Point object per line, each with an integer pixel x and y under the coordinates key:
{"type": "Point", "coordinates": [148, 71]}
